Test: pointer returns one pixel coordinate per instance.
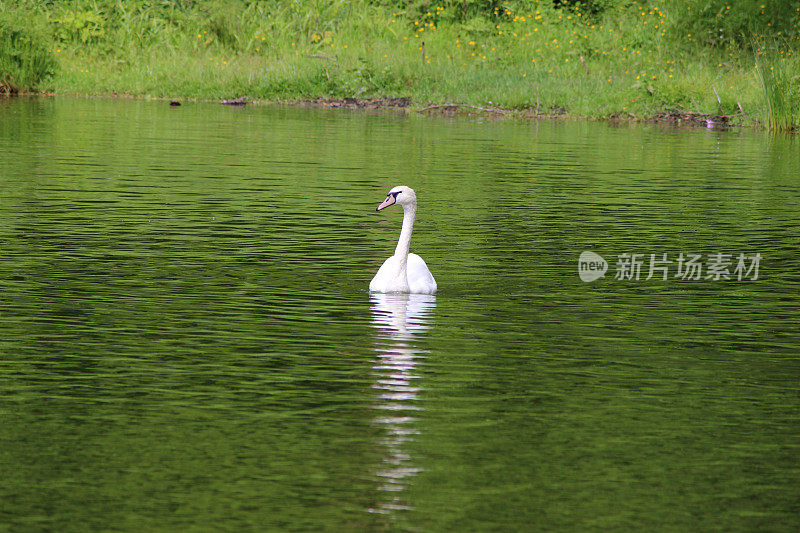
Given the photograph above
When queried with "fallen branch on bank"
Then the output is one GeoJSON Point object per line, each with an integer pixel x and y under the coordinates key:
{"type": "Point", "coordinates": [742, 110]}
{"type": "Point", "coordinates": [719, 102]}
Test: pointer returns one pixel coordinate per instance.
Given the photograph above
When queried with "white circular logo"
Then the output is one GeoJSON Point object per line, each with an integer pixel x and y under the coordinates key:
{"type": "Point", "coordinates": [591, 266]}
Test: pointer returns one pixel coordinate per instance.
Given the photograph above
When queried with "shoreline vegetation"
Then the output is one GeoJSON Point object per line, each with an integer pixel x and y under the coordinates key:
{"type": "Point", "coordinates": [713, 61]}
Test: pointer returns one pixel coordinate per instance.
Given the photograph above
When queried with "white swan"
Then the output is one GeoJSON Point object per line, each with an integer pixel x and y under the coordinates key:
{"type": "Point", "coordinates": [403, 272]}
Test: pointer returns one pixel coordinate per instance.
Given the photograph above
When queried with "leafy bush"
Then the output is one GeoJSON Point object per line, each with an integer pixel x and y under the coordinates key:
{"type": "Point", "coordinates": [448, 10]}
{"type": "Point", "coordinates": [589, 7]}
{"type": "Point", "coordinates": [723, 23]}
{"type": "Point", "coordinates": [83, 26]}
{"type": "Point", "coordinates": [25, 60]}
{"type": "Point", "coordinates": [225, 22]}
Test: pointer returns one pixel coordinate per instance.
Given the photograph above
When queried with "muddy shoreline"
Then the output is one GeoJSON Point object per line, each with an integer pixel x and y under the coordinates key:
{"type": "Point", "coordinates": [673, 117]}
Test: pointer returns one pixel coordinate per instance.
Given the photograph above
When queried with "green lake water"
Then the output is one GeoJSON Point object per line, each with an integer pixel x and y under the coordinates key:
{"type": "Point", "coordinates": [187, 342]}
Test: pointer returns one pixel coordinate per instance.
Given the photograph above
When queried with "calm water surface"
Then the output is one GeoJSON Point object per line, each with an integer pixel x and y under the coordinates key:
{"type": "Point", "coordinates": [187, 343]}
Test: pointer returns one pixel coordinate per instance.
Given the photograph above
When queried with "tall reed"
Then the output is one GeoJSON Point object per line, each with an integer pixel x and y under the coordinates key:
{"type": "Point", "coordinates": [781, 91]}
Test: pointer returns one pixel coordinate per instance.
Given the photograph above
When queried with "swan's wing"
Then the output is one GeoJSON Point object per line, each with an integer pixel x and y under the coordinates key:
{"type": "Point", "coordinates": [385, 279]}
{"type": "Point", "coordinates": [420, 279]}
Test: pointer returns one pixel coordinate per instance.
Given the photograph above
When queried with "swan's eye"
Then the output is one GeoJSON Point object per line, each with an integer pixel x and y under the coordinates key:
{"type": "Point", "coordinates": [394, 193]}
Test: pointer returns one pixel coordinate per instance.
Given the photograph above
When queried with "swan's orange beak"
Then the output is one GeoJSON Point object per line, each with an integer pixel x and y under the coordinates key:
{"type": "Point", "coordinates": [386, 203]}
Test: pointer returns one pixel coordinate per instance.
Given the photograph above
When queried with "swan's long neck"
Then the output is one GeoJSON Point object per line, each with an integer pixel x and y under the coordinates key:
{"type": "Point", "coordinates": [409, 212]}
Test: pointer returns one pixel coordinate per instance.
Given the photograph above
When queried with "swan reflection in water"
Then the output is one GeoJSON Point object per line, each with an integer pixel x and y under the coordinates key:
{"type": "Point", "coordinates": [400, 321]}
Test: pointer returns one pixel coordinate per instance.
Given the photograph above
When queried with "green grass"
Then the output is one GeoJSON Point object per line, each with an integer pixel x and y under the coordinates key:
{"type": "Point", "coordinates": [597, 59]}
{"type": "Point", "coordinates": [25, 61]}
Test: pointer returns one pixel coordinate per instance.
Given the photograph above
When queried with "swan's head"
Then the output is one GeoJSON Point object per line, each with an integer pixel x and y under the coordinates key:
{"type": "Point", "coordinates": [399, 195]}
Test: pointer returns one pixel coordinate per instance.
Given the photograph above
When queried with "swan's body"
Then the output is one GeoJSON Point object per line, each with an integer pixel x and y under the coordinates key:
{"type": "Point", "coordinates": [415, 278]}
{"type": "Point", "coordinates": [404, 271]}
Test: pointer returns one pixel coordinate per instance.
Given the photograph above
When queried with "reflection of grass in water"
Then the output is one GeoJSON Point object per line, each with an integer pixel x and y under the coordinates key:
{"type": "Point", "coordinates": [780, 90]}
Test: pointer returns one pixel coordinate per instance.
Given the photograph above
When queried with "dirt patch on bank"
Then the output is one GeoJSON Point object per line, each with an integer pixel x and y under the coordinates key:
{"type": "Point", "coordinates": [6, 89]}
{"type": "Point", "coordinates": [354, 103]}
{"type": "Point", "coordinates": [671, 117]}
{"type": "Point", "coordinates": [405, 103]}
{"type": "Point", "coordinates": [679, 118]}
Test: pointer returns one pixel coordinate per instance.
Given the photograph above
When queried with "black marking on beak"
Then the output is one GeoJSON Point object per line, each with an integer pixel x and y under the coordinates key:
{"type": "Point", "coordinates": [393, 196]}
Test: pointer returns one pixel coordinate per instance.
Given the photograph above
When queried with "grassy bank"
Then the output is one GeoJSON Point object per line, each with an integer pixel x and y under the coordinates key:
{"type": "Point", "coordinates": [591, 59]}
